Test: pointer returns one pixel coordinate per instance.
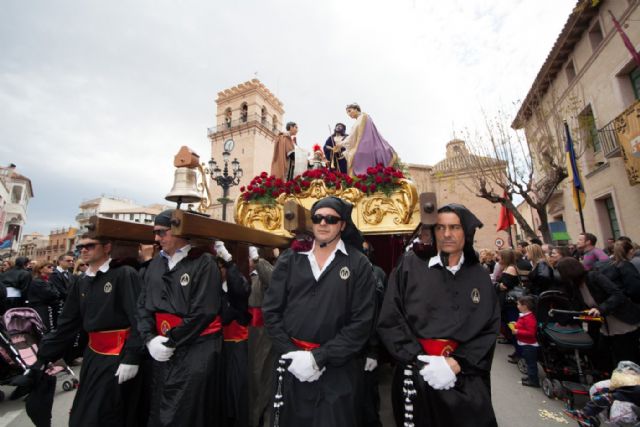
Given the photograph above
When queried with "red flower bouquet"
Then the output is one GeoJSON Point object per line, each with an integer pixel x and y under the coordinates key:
{"type": "Point", "coordinates": [379, 178]}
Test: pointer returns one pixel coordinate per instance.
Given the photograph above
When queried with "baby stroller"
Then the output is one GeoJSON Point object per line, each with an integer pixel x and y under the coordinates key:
{"type": "Point", "coordinates": [568, 371]}
{"type": "Point", "coordinates": [20, 334]}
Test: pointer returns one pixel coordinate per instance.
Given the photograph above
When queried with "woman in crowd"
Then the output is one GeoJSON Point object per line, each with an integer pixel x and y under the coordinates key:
{"type": "Point", "coordinates": [43, 296]}
{"type": "Point", "coordinates": [558, 252]}
{"type": "Point", "coordinates": [593, 291]}
{"type": "Point", "coordinates": [541, 275]}
{"type": "Point", "coordinates": [622, 272]}
{"type": "Point", "coordinates": [487, 259]}
{"type": "Point", "coordinates": [80, 268]}
{"type": "Point", "coordinates": [507, 287]}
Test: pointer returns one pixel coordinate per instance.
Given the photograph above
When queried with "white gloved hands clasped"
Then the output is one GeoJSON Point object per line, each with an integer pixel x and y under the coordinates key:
{"type": "Point", "coordinates": [126, 372]}
{"type": "Point", "coordinates": [303, 366]}
{"type": "Point", "coordinates": [222, 251]}
{"type": "Point", "coordinates": [437, 372]}
{"type": "Point", "coordinates": [158, 350]}
{"type": "Point", "coordinates": [370, 364]}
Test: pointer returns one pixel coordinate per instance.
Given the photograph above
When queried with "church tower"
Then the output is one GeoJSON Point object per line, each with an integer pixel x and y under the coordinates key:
{"type": "Point", "coordinates": [248, 118]}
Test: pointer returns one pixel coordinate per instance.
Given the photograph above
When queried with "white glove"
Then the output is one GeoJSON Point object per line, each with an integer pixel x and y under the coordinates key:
{"type": "Point", "coordinates": [253, 253]}
{"type": "Point", "coordinates": [222, 251]}
{"type": "Point", "coordinates": [158, 350]}
{"type": "Point", "coordinates": [303, 365]}
{"type": "Point", "coordinates": [437, 372]}
{"type": "Point", "coordinates": [370, 364]}
{"type": "Point", "coordinates": [126, 372]}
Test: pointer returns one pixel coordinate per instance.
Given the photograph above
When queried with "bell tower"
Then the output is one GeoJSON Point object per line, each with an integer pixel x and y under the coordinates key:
{"type": "Point", "coordinates": [248, 118]}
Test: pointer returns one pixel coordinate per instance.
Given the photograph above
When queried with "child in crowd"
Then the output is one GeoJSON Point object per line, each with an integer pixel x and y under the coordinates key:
{"type": "Point", "coordinates": [525, 332]}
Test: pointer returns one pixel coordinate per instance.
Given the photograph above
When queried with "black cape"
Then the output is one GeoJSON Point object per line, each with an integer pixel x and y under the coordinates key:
{"type": "Point", "coordinates": [187, 390]}
{"type": "Point", "coordinates": [337, 312]}
{"type": "Point", "coordinates": [423, 302]}
{"type": "Point", "coordinates": [105, 302]}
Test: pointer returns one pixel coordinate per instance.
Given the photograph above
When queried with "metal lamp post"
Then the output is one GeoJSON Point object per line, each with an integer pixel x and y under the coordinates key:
{"type": "Point", "coordinates": [224, 179]}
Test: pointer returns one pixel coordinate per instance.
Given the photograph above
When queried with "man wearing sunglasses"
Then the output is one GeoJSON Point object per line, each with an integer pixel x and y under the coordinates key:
{"type": "Point", "coordinates": [179, 312]}
{"type": "Point", "coordinates": [319, 311]}
{"type": "Point", "coordinates": [440, 320]}
{"type": "Point", "coordinates": [102, 303]}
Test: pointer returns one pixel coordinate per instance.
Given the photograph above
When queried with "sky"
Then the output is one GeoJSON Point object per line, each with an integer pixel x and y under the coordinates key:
{"type": "Point", "coordinates": [97, 97]}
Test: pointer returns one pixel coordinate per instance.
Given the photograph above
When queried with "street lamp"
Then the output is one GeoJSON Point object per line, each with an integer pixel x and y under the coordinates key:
{"type": "Point", "coordinates": [224, 179]}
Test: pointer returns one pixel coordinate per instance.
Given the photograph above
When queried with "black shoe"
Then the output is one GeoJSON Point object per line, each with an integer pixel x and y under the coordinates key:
{"type": "Point", "coordinates": [528, 383]}
{"type": "Point", "coordinates": [502, 340]}
{"type": "Point", "coordinates": [513, 360]}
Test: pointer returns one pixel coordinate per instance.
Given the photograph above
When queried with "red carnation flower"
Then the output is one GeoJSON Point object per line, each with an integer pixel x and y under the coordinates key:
{"type": "Point", "coordinates": [372, 188]}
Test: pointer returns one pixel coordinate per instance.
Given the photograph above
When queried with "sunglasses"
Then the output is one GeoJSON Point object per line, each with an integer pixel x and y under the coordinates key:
{"type": "Point", "coordinates": [87, 246]}
{"type": "Point", "coordinates": [161, 232]}
{"type": "Point", "coordinates": [329, 219]}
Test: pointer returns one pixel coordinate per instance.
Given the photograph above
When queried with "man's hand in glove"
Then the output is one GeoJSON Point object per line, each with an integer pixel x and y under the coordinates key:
{"type": "Point", "coordinates": [303, 365]}
{"type": "Point", "coordinates": [126, 372]}
{"type": "Point", "coordinates": [370, 364]}
{"type": "Point", "coordinates": [437, 372]}
{"type": "Point", "coordinates": [222, 251]}
{"type": "Point", "coordinates": [158, 350]}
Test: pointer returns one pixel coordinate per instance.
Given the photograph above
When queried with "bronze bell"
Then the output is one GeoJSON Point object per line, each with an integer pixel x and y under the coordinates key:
{"type": "Point", "coordinates": [185, 187]}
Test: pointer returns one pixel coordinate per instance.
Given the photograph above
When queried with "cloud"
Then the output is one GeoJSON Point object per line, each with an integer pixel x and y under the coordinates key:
{"type": "Point", "coordinates": [98, 96]}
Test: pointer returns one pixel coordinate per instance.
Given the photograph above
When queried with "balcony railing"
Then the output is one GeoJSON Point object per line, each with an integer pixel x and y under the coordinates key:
{"type": "Point", "coordinates": [265, 121]}
{"type": "Point", "coordinates": [609, 140]}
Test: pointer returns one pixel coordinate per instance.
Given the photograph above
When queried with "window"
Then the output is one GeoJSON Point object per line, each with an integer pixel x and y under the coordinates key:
{"type": "Point", "coordinates": [263, 116]}
{"type": "Point", "coordinates": [244, 112]}
{"type": "Point", "coordinates": [635, 82]}
{"type": "Point", "coordinates": [588, 131]}
{"type": "Point", "coordinates": [613, 218]}
{"type": "Point", "coordinates": [595, 36]}
{"type": "Point", "coordinates": [275, 123]}
{"type": "Point", "coordinates": [570, 71]}
{"type": "Point", "coordinates": [16, 194]}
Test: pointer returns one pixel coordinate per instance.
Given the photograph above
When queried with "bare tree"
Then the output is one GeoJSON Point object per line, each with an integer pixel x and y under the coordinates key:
{"type": "Point", "coordinates": [533, 178]}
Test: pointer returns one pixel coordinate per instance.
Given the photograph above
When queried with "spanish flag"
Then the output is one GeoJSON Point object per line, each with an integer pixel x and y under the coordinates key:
{"type": "Point", "coordinates": [574, 172]}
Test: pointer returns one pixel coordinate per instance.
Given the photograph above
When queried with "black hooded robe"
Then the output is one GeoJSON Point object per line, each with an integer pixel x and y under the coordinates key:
{"type": "Point", "coordinates": [106, 302]}
{"type": "Point", "coordinates": [187, 389]}
{"type": "Point", "coordinates": [425, 302]}
{"type": "Point", "coordinates": [336, 312]}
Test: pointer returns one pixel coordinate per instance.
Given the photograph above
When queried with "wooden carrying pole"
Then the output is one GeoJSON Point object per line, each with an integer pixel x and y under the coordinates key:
{"type": "Point", "coordinates": [192, 225]}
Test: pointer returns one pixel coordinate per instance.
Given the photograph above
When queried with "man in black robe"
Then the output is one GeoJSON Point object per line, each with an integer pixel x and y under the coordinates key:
{"type": "Point", "coordinates": [102, 303]}
{"type": "Point", "coordinates": [439, 320]}
{"type": "Point", "coordinates": [179, 321]}
{"type": "Point", "coordinates": [261, 357]}
{"type": "Point", "coordinates": [319, 310]}
{"type": "Point", "coordinates": [235, 331]}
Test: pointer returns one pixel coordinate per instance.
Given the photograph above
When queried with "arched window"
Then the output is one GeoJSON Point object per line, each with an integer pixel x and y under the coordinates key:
{"type": "Point", "coordinates": [227, 117]}
{"type": "Point", "coordinates": [263, 116]}
{"type": "Point", "coordinates": [244, 112]}
{"type": "Point", "coordinates": [274, 123]}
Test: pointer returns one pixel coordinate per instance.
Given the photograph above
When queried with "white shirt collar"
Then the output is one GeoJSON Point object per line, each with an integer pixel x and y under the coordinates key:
{"type": "Point", "coordinates": [315, 268]}
{"type": "Point", "coordinates": [178, 256]}
{"type": "Point", "coordinates": [436, 260]}
{"type": "Point", "coordinates": [61, 270]}
{"type": "Point", "coordinates": [103, 268]}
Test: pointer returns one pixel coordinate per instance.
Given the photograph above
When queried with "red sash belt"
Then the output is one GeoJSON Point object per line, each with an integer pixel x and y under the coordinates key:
{"type": "Point", "coordinates": [257, 321]}
{"type": "Point", "coordinates": [108, 342]}
{"type": "Point", "coordinates": [235, 332]}
{"type": "Point", "coordinates": [305, 345]}
{"type": "Point", "coordinates": [165, 322]}
{"type": "Point", "coordinates": [438, 347]}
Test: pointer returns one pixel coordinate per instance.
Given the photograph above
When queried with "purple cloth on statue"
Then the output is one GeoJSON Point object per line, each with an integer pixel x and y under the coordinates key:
{"type": "Point", "coordinates": [373, 149]}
